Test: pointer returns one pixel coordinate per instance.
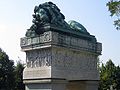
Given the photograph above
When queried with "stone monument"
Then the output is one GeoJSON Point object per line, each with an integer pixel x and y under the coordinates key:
{"type": "Point", "coordinates": [59, 55]}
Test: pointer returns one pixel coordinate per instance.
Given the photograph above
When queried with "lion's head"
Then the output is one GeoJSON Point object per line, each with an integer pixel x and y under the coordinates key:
{"type": "Point", "coordinates": [44, 14]}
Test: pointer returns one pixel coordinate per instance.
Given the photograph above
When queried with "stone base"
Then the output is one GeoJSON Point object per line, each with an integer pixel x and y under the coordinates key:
{"type": "Point", "coordinates": [45, 84]}
{"type": "Point", "coordinates": [58, 84]}
{"type": "Point", "coordinates": [82, 85]}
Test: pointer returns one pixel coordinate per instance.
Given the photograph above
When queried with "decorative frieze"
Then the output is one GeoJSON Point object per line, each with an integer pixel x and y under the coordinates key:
{"type": "Point", "coordinates": [43, 38]}
{"type": "Point", "coordinates": [38, 58]}
{"type": "Point", "coordinates": [49, 38]}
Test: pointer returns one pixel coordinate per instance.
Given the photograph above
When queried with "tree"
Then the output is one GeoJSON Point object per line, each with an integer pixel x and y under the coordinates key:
{"type": "Point", "coordinates": [109, 76]}
{"type": "Point", "coordinates": [6, 72]}
{"type": "Point", "coordinates": [117, 78]}
{"type": "Point", "coordinates": [106, 75]}
{"type": "Point", "coordinates": [19, 76]}
{"type": "Point", "coordinates": [114, 8]}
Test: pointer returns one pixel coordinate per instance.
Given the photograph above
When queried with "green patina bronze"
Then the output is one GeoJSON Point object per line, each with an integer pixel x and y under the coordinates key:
{"type": "Point", "coordinates": [77, 26]}
{"type": "Point", "coordinates": [47, 16]}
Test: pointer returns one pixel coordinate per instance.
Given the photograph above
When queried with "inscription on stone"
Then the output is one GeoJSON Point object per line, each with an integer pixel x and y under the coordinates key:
{"type": "Point", "coordinates": [74, 42]}
{"type": "Point", "coordinates": [74, 60]}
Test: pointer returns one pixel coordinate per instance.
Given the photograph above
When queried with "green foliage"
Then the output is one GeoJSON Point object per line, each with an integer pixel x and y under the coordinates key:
{"type": "Point", "coordinates": [109, 76]}
{"type": "Point", "coordinates": [6, 72]}
{"type": "Point", "coordinates": [10, 75]}
{"type": "Point", "coordinates": [18, 76]}
{"type": "Point", "coordinates": [117, 24]}
{"type": "Point", "coordinates": [114, 8]}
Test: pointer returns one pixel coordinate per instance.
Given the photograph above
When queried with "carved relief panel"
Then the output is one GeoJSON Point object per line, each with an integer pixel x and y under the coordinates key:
{"type": "Point", "coordinates": [38, 58]}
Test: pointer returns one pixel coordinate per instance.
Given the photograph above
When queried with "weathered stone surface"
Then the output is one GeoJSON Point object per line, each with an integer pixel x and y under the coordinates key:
{"type": "Point", "coordinates": [62, 54]}
{"type": "Point", "coordinates": [83, 85]}
{"type": "Point", "coordinates": [54, 38]}
{"type": "Point", "coordinates": [36, 73]}
{"type": "Point", "coordinates": [48, 85]}
{"type": "Point", "coordinates": [74, 65]}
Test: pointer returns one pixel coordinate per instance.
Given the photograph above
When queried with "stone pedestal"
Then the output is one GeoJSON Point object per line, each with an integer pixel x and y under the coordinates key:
{"type": "Point", "coordinates": [60, 61]}
{"type": "Point", "coordinates": [82, 85]}
{"type": "Point", "coordinates": [45, 84]}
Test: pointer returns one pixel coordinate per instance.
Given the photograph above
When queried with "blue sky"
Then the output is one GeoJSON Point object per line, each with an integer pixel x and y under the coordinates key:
{"type": "Point", "coordinates": [16, 18]}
